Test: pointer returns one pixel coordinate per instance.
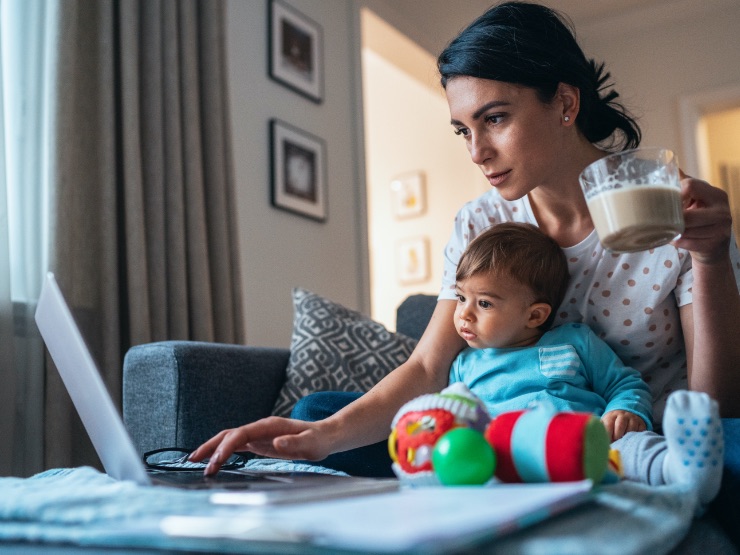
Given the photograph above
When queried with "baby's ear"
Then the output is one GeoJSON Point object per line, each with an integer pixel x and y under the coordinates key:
{"type": "Point", "coordinates": [538, 314]}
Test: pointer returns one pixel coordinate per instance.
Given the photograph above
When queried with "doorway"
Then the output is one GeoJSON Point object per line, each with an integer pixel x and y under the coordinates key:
{"type": "Point", "coordinates": [711, 132]}
{"type": "Point", "coordinates": [722, 134]}
{"type": "Point", "coordinates": [418, 173]}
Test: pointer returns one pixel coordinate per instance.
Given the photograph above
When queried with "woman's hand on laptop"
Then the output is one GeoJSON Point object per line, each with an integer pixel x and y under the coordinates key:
{"type": "Point", "coordinates": [275, 437]}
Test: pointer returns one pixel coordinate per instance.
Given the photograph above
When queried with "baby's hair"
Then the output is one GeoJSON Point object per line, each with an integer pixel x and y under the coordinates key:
{"type": "Point", "coordinates": [534, 46]}
{"type": "Point", "coordinates": [524, 253]}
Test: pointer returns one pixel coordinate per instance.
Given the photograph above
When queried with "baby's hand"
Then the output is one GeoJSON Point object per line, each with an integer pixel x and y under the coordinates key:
{"type": "Point", "coordinates": [619, 422]}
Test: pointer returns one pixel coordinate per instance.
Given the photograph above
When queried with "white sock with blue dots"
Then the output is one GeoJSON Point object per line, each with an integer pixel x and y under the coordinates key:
{"type": "Point", "coordinates": [693, 432]}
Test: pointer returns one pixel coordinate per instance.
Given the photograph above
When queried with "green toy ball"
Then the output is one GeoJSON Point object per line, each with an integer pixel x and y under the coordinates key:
{"type": "Point", "coordinates": [463, 457]}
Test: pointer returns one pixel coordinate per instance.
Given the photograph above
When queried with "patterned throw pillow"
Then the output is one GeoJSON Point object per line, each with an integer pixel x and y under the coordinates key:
{"type": "Point", "coordinates": [334, 348]}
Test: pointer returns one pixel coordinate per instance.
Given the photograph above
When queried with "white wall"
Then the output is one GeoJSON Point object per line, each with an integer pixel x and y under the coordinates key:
{"type": "Point", "coordinates": [407, 130]}
{"type": "Point", "coordinates": [280, 250]}
{"type": "Point", "coordinates": [657, 58]}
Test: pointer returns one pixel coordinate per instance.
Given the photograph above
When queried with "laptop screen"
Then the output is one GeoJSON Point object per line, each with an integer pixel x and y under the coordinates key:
{"type": "Point", "coordinates": [85, 386]}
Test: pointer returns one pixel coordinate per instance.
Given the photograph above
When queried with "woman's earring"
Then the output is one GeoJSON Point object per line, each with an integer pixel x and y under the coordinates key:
{"type": "Point", "coordinates": [566, 119]}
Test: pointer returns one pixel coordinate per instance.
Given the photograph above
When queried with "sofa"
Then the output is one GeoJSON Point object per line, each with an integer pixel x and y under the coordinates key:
{"type": "Point", "coordinates": [180, 393]}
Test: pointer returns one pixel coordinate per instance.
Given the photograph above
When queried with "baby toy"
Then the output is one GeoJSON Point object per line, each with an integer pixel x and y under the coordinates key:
{"type": "Point", "coordinates": [449, 439]}
{"type": "Point", "coordinates": [421, 423]}
{"type": "Point", "coordinates": [462, 456]}
{"type": "Point", "coordinates": [541, 445]}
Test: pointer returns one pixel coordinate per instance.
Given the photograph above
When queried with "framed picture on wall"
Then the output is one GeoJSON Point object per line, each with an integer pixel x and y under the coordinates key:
{"type": "Point", "coordinates": [298, 162]}
{"type": "Point", "coordinates": [296, 51]}
{"type": "Point", "coordinates": [409, 199]}
{"type": "Point", "coordinates": [412, 258]}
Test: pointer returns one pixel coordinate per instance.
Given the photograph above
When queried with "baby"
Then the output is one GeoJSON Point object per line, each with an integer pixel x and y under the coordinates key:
{"type": "Point", "coordinates": [509, 282]}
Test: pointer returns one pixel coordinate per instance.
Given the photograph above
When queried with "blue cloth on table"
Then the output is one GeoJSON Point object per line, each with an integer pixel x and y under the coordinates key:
{"type": "Point", "coordinates": [85, 507]}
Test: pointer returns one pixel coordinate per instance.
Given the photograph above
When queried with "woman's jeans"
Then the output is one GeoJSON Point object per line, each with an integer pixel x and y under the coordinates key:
{"type": "Point", "coordinates": [371, 460]}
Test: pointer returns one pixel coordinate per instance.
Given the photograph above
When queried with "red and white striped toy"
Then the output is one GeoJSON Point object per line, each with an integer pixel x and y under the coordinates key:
{"type": "Point", "coordinates": [541, 445]}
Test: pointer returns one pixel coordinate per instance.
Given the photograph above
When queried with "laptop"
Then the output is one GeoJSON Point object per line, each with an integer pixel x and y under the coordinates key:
{"type": "Point", "coordinates": [116, 450]}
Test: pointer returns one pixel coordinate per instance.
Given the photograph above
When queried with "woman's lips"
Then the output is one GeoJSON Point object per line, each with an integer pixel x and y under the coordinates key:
{"type": "Point", "coordinates": [496, 179]}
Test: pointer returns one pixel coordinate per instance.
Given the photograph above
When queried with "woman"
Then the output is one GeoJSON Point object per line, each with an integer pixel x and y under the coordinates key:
{"type": "Point", "coordinates": [533, 112]}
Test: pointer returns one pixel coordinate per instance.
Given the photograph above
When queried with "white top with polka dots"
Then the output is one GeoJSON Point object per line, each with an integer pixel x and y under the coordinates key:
{"type": "Point", "coordinates": [630, 300]}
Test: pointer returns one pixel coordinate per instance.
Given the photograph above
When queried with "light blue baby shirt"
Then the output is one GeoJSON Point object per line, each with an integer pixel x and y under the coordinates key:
{"type": "Point", "coordinates": [569, 368]}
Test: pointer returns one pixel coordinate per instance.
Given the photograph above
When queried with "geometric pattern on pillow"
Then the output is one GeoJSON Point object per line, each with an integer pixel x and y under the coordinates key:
{"type": "Point", "coordinates": [334, 348]}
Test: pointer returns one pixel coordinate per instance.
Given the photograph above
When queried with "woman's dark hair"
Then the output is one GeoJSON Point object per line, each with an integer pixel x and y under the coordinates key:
{"type": "Point", "coordinates": [524, 253]}
{"type": "Point", "coordinates": [534, 46]}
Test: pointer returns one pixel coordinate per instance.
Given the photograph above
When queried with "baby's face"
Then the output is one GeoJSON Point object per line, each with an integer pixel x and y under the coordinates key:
{"type": "Point", "coordinates": [494, 312]}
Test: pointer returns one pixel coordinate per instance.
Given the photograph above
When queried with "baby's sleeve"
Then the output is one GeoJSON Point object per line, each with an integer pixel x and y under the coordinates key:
{"type": "Point", "coordinates": [621, 386]}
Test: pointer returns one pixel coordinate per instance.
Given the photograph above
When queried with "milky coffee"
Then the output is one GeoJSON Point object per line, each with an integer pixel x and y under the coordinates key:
{"type": "Point", "coordinates": [634, 198]}
{"type": "Point", "coordinates": [637, 218]}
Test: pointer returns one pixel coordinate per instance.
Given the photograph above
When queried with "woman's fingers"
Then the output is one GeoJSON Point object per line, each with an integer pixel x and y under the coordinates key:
{"type": "Point", "coordinates": [272, 437]}
{"type": "Point", "coordinates": [207, 449]}
{"type": "Point", "coordinates": [708, 220]}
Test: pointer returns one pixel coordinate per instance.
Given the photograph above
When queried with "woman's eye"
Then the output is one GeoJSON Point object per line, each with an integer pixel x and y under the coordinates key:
{"type": "Point", "coordinates": [494, 118]}
{"type": "Point", "coordinates": [461, 131]}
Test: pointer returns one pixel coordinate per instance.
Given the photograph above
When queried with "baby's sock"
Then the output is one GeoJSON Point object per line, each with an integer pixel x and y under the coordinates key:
{"type": "Point", "coordinates": [693, 432]}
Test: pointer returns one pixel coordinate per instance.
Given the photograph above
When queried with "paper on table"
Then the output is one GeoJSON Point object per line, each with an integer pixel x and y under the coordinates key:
{"type": "Point", "coordinates": [425, 520]}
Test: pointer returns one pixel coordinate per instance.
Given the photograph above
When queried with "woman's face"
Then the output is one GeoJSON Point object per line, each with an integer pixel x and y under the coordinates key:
{"type": "Point", "coordinates": [512, 136]}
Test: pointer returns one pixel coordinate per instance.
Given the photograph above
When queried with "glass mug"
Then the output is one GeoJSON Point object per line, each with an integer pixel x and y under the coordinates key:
{"type": "Point", "coordinates": [634, 198]}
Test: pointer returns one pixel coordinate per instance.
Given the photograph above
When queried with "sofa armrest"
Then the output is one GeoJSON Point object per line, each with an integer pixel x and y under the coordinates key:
{"type": "Point", "coordinates": [180, 393]}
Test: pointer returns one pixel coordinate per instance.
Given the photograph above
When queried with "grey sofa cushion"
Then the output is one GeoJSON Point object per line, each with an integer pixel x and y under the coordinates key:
{"type": "Point", "coordinates": [414, 313]}
{"type": "Point", "coordinates": [334, 348]}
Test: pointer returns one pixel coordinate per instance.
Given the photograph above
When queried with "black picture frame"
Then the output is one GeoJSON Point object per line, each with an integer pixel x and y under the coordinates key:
{"type": "Point", "coordinates": [296, 51]}
{"type": "Point", "coordinates": [298, 171]}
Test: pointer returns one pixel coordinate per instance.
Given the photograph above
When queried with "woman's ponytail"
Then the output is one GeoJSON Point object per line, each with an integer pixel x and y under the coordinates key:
{"type": "Point", "coordinates": [601, 117]}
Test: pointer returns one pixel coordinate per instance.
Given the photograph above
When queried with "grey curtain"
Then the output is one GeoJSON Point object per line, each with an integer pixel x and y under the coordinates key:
{"type": "Point", "coordinates": [144, 237]}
